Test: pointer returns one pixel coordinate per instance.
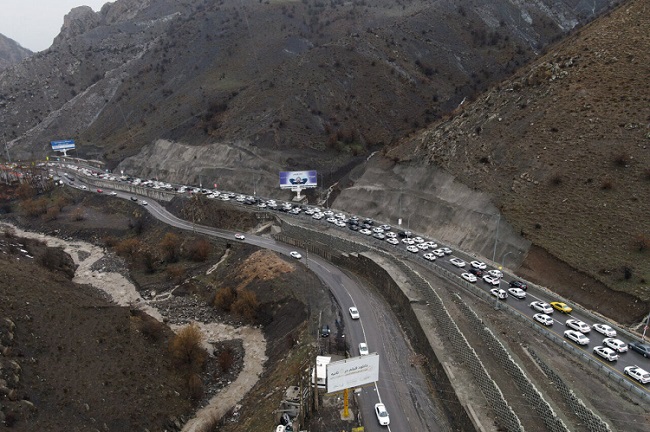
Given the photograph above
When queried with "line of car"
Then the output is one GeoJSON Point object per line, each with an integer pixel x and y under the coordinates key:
{"type": "Point", "coordinates": [609, 350]}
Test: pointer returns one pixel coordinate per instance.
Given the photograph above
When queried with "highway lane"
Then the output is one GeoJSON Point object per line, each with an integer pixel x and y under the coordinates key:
{"type": "Point", "coordinates": [628, 358]}
{"type": "Point", "coordinates": [595, 339]}
{"type": "Point", "coordinates": [404, 390]}
{"type": "Point", "coordinates": [625, 359]}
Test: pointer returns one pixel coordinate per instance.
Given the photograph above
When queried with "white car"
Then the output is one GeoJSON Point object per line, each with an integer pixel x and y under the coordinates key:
{"type": "Point", "coordinates": [84, 187]}
{"type": "Point", "coordinates": [604, 329]}
{"type": "Point", "coordinates": [382, 414]}
{"type": "Point", "coordinates": [517, 292]}
{"type": "Point", "coordinates": [378, 230]}
{"type": "Point", "coordinates": [328, 213]}
{"type": "Point", "coordinates": [543, 318]}
{"type": "Point", "coordinates": [339, 223]}
{"type": "Point", "coordinates": [422, 246]}
{"type": "Point", "coordinates": [331, 219]}
{"type": "Point", "coordinates": [432, 245]}
{"type": "Point", "coordinates": [143, 202]}
{"type": "Point", "coordinates": [392, 240]}
{"type": "Point", "coordinates": [495, 273]}
{"type": "Point", "coordinates": [354, 313]}
{"type": "Point", "coordinates": [606, 353]}
{"type": "Point", "coordinates": [446, 250]}
{"type": "Point", "coordinates": [615, 344]}
{"type": "Point", "coordinates": [318, 216]}
{"type": "Point", "coordinates": [239, 236]}
{"type": "Point", "coordinates": [112, 193]}
{"type": "Point", "coordinates": [576, 337]}
{"type": "Point", "coordinates": [365, 231]}
{"type": "Point", "coordinates": [499, 293]}
{"type": "Point", "coordinates": [408, 241]}
{"type": "Point", "coordinates": [542, 307]}
{"type": "Point", "coordinates": [295, 254]}
{"type": "Point", "coordinates": [363, 349]}
{"type": "Point", "coordinates": [412, 248]}
{"type": "Point", "coordinates": [578, 325]}
{"type": "Point", "coordinates": [468, 277]}
{"type": "Point", "coordinates": [418, 239]}
{"type": "Point", "coordinates": [439, 253]}
{"type": "Point", "coordinates": [429, 256]}
{"type": "Point", "coordinates": [391, 234]}
{"type": "Point", "coordinates": [385, 227]}
{"type": "Point", "coordinates": [457, 262]}
{"type": "Point", "coordinates": [479, 265]}
{"type": "Point", "coordinates": [638, 374]}
{"type": "Point", "coordinates": [492, 280]}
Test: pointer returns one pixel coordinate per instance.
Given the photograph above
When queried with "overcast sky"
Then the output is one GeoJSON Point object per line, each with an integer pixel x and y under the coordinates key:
{"type": "Point", "coordinates": [35, 23]}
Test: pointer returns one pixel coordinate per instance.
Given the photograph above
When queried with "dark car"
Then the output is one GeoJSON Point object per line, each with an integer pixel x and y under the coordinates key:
{"type": "Point", "coordinates": [641, 348]}
{"type": "Point", "coordinates": [476, 272]}
{"type": "Point", "coordinates": [519, 284]}
{"type": "Point", "coordinates": [354, 227]}
{"type": "Point", "coordinates": [405, 234]}
{"type": "Point", "coordinates": [134, 199]}
{"type": "Point", "coordinates": [369, 222]}
{"type": "Point", "coordinates": [353, 222]}
{"type": "Point", "coordinates": [325, 331]}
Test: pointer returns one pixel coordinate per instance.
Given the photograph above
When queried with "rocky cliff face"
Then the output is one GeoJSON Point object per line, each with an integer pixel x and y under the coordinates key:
{"type": "Point", "coordinates": [562, 149]}
{"type": "Point", "coordinates": [310, 83]}
{"type": "Point", "coordinates": [11, 52]}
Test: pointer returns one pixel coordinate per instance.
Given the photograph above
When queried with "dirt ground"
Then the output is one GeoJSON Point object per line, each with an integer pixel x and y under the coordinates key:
{"type": "Point", "coordinates": [284, 289]}
{"type": "Point", "coordinates": [542, 268]}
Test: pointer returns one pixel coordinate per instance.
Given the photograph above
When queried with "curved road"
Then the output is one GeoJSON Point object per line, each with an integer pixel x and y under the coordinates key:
{"type": "Point", "coordinates": [404, 390]}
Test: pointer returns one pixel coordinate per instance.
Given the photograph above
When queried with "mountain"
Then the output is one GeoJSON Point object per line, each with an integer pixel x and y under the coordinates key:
{"type": "Point", "coordinates": [562, 152]}
{"type": "Point", "coordinates": [224, 91]}
{"type": "Point", "coordinates": [11, 52]}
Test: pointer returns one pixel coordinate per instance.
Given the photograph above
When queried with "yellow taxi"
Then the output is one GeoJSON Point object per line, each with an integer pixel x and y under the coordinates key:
{"type": "Point", "coordinates": [562, 307]}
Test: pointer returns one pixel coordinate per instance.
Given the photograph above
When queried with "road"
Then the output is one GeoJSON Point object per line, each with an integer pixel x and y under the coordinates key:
{"type": "Point", "coordinates": [377, 330]}
{"type": "Point", "coordinates": [403, 390]}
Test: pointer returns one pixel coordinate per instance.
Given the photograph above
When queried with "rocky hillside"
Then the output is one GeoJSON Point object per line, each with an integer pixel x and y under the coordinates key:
{"type": "Point", "coordinates": [11, 52]}
{"type": "Point", "coordinates": [563, 150]}
{"type": "Point", "coordinates": [305, 84]}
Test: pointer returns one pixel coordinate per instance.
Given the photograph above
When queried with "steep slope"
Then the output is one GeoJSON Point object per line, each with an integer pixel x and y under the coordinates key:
{"type": "Point", "coordinates": [563, 150]}
{"type": "Point", "coordinates": [311, 83]}
{"type": "Point", "coordinates": [11, 52]}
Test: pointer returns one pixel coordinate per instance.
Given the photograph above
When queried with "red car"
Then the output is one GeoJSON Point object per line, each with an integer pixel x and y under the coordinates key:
{"type": "Point", "coordinates": [99, 191]}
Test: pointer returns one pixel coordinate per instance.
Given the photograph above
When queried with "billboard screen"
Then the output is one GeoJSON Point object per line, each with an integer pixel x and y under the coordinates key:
{"type": "Point", "coordinates": [352, 372]}
{"type": "Point", "coordinates": [294, 179]}
{"type": "Point", "coordinates": [62, 145]}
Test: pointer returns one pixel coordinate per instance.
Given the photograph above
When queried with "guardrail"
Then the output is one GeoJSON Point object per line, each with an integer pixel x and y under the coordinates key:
{"type": "Point", "coordinates": [615, 376]}
{"type": "Point", "coordinates": [328, 243]}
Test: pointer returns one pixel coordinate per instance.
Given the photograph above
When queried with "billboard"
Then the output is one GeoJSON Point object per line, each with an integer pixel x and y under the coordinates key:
{"type": "Point", "coordinates": [301, 179]}
{"type": "Point", "coordinates": [352, 372]}
{"type": "Point", "coordinates": [62, 145]}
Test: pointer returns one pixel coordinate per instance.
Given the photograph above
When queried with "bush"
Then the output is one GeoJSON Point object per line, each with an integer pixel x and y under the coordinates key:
{"type": "Point", "coordinates": [34, 208]}
{"type": "Point", "coordinates": [226, 359]}
{"type": "Point", "coordinates": [52, 213]}
{"type": "Point", "coordinates": [246, 305]}
{"type": "Point", "coordinates": [186, 348]}
{"type": "Point", "coordinates": [78, 214]}
{"type": "Point", "coordinates": [25, 191]}
{"type": "Point", "coordinates": [170, 247]}
{"type": "Point", "coordinates": [148, 260]}
{"type": "Point", "coordinates": [152, 329]}
{"type": "Point", "coordinates": [225, 298]}
{"type": "Point", "coordinates": [128, 247]}
{"type": "Point", "coordinates": [176, 273]}
{"type": "Point", "coordinates": [199, 250]}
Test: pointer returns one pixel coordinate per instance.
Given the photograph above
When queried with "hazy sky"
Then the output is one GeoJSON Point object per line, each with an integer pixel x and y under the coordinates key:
{"type": "Point", "coordinates": [35, 23]}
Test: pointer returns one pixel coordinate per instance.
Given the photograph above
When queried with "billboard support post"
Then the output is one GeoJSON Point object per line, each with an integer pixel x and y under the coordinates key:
{"type": "Point", "coordinates": [346, 411]}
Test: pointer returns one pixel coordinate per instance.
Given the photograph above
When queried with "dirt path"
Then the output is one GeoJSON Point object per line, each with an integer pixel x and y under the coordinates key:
{"type": "Point", "coordinates": [124, 293]}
